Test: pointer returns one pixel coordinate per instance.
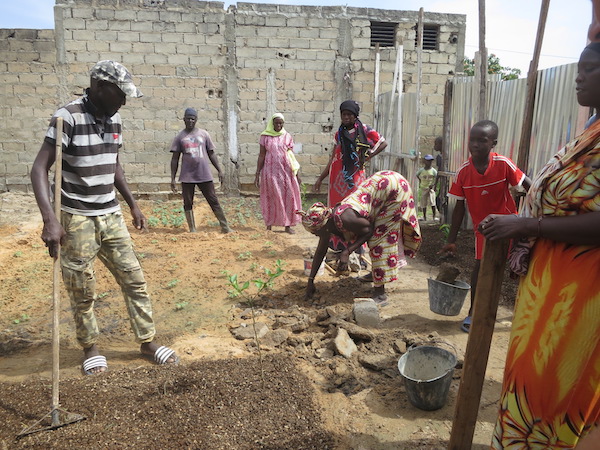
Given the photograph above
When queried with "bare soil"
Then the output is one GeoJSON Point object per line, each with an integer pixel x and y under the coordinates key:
{"type": "Point", "coordinates": [302, 395]}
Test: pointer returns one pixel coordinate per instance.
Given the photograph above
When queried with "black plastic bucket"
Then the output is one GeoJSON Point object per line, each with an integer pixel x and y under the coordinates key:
{"type": "Point", "coordinates": [427, 373]}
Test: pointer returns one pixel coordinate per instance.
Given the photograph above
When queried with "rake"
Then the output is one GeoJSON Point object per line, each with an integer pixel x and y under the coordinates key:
{"type": "Point", "coordinates": [57, 417]}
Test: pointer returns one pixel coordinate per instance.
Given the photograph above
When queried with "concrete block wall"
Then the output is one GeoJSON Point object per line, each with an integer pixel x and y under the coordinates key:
{"type": "Point", "coordinates": [176, 54]}
{"type": "Point", "coordinates": [235, 66]}
{"type": "Point", "coordinates": [29, 90]}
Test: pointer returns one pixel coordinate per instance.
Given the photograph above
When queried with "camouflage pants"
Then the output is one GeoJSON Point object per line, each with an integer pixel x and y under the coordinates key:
{"type": "Point", "coordinates": [107, 238]}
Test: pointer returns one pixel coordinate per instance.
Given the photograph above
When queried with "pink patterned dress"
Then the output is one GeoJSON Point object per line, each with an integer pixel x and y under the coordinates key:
{"type": "Point", "coordinates": [386, 200]}
{"type": "Point", "coordinates": [279, 189]}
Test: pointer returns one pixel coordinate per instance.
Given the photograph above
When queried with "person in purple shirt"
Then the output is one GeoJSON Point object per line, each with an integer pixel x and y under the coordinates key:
{"type": "Point", "coordinates": [196, 148]}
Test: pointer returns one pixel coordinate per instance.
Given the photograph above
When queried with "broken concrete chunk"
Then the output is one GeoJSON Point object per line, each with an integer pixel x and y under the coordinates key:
{"type": "Point", "coordinates": [366, 313]}
{"type": "Point", "coordinates": [274, 338]}
{"type": "Point", "coordinates": [344, 345]}
{"type": "Point", "coordinates": [400, 346]}
{"type": "Point", "coordinates": [247, 331]}
{"type": "Point", "coordinates": [324, 353]}
{"type": "Point", "coordinates": [354, 330]}
{"type": "Point", "coordinates": [377, 362]}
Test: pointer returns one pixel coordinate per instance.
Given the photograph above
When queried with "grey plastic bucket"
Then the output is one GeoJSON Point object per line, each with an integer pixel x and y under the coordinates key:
{"type": "Point", "coordinates": [427, 373]}
{"type": "Point", "coordinates": [447, 299]}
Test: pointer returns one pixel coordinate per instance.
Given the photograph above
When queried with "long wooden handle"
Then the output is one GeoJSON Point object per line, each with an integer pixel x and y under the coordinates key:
{"type": "Point", "coordinates": [485, 306]}
{"type": "Point", "coordinates": [56, 273]}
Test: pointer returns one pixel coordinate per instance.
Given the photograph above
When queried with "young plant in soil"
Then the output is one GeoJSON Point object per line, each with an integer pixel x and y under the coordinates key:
{"type": "Point", "coordinates": [240, 289]}
{"type": "Point", "coordinates": [445, 229]}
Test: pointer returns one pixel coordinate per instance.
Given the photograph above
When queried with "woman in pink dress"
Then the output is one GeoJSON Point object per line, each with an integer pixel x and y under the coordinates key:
{"type": "Point", "coordinates": [277, 176]}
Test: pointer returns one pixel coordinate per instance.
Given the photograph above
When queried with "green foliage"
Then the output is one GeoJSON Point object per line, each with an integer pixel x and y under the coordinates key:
{"type": "Point", "coordinates": [494, 66]}
{"type": "Point", "coordinates": [172, 283]}
{"type": "Point", "coordinates": [240, 289]}
{"type": "Point", "coordinates": [22, 318]}
{"type": "Point", "coordinates": [445, 229]}
{"type": "Point", "coordinates": [241, 219]}
{"type": "Point", "coordinates": [18, 254]}
{"type": "Point", "coordinates": [181, 306]}
{"type": "Point", "coordinates": [244, 255]}
{"type": "Point", "coordinates": [167, 215]}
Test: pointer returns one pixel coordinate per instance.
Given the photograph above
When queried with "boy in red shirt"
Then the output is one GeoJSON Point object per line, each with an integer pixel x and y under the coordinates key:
{"type": "Point", "coordinates": [483, 182]}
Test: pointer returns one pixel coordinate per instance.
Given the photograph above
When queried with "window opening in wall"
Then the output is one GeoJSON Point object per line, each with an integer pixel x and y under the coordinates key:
{"type": "Point", "coordinates": [383, 33]}
{"type": "Point", "coordinates": [431, 35]}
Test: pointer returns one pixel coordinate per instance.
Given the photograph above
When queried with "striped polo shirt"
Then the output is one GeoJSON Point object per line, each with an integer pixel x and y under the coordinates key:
{"type": "Point", "coordinates": [487, 193]}
{"type": "Point", "coordinates": [90, 150]}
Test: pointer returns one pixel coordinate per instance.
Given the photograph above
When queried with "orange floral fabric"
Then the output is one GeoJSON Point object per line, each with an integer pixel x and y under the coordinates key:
{"type": "Point", "coordinates": [551, 390]}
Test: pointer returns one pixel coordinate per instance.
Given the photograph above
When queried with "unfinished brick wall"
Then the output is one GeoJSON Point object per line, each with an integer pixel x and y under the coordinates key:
{"type": "Point", "coordinates": [29, 90]}
{"type": "Point", "coordinates": [236, 67]}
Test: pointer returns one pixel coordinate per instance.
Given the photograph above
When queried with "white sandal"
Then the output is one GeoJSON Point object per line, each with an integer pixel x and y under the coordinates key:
{"type": "Point", "coordinates": [94, 362]}
{"type": "Point", "coordinates": [162, 354]}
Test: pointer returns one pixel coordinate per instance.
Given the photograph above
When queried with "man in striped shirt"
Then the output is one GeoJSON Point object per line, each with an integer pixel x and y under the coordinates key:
{"type": "Point", "coordinates": [91, 223]}
{"type": "Point", "coordinates": [483, 181]}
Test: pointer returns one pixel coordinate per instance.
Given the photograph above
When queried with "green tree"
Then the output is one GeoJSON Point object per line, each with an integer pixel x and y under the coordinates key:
{"type": "Point", "coordinates": [494, 66]}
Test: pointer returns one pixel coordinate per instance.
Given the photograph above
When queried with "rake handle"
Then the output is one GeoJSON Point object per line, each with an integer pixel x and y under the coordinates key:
{"type": "Point", "coordinates": [56, 274]}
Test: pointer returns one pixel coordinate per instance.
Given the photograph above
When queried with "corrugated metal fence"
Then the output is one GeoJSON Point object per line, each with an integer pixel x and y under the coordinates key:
{"type": "Point", "coordinates": [557, 119]}
{"type": "Point", "coordinates": [557, 116]}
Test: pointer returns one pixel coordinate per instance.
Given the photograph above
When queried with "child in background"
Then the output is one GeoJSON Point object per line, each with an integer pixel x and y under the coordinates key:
{"type": "Point", "coordinates": [427, 177]}
{"type": "Point", "coordinates": [483, 181]}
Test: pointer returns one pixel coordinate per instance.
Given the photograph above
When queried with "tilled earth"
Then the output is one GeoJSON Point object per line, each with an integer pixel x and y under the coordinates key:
{"type": "Point", "coordinates": [221, 404]}
{"type": "Point", "coordinates": [304, 394]}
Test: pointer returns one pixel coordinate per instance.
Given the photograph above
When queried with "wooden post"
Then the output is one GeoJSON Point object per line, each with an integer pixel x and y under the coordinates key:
{"type": "Point", "coordinates": [523, 156]}
{"type": "Point", "coordinates": [419, 84]}
{"type": "Point", "coordinates": [376, 88]}
{"type": "Point", "coordinates": [56, 276]}
{"type": "Point", "coordinates": [485, 306]}
{"type": "Point", "coordinates": [444, 180]}
{"type": "Point", "coordinates": [398, 137]}
{"type": "Point", "coordinates": [389, 122]}
{"type": "Point", "coordinates": [483, 68]}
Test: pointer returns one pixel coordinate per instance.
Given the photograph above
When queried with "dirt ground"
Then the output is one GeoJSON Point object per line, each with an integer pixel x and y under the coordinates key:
{"type": "Point", "coordinates": [303, 394]}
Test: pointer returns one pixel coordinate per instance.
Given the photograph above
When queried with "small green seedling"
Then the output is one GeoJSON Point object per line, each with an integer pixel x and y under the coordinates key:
{"type": "Point", "coordinates": [181, 306]}
{"type": "Point", "coordinates": [171, 284]}
{"type": "Point", "coordinates": [245, 255]}
{"type": "Point", "coordinates": [445, 229]}
{"type": "Point", "coordinates": [22, 318]}
{"type": "Point", "coordinates": [241, 289]}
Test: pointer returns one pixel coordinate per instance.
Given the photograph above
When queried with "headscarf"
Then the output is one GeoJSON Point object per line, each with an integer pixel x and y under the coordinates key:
{"type": "Point", "coordinates": [270, 130]}
{"type": "Point", "coordinates": [316, 217]}
{"type": "Point", "coordinates": [352, 148]}
{"type": "Point", "coordinates": [190, 112]}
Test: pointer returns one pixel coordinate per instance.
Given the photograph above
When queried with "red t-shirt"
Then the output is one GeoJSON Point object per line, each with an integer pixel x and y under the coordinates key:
{"type": "Point", "coordinates": [487, 193]}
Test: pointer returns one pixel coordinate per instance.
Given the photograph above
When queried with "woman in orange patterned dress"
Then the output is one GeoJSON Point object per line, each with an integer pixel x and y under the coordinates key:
{"type": "Point", "coordinates": [380, 212]}
{"type": "Point", "coordinates": [551, 390]}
